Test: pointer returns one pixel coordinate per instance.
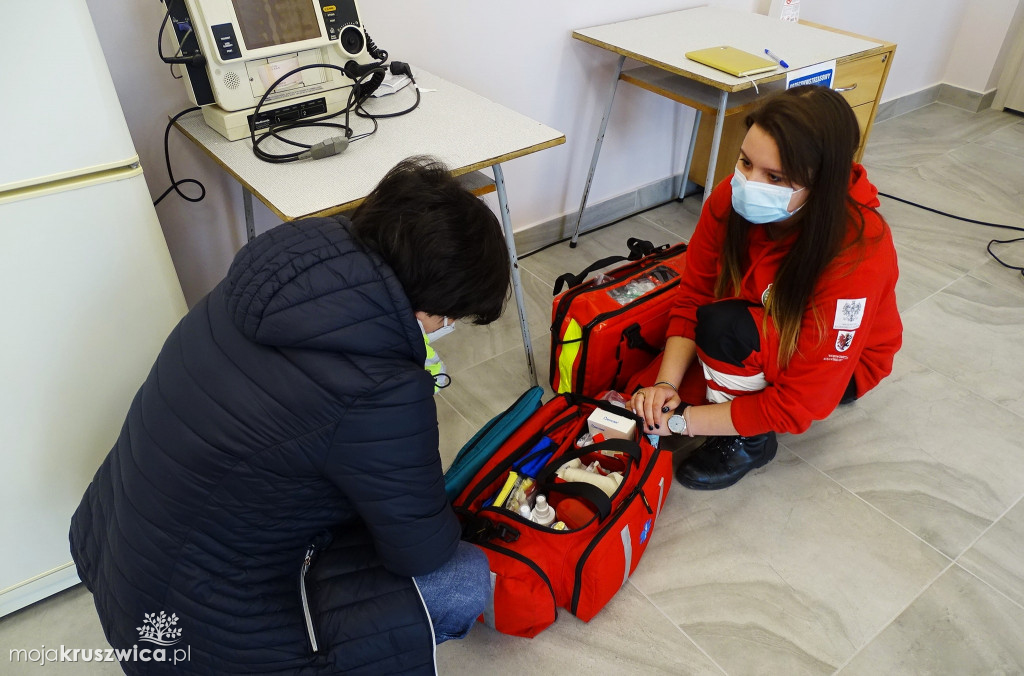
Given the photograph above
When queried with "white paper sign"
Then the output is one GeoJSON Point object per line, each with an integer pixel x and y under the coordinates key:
{"type": "Point", "coordinates": [270, 72]}
{"type": "Point", "coordinates": [818, 74]}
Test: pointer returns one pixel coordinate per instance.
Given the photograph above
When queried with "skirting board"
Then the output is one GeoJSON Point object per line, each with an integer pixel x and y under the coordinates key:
{"type": "Point", "coordinates": [958, 97]}
{"type": "Point", "coordinates": [57, 580]}
{"type": "Point", "coordinates": [602, 213]}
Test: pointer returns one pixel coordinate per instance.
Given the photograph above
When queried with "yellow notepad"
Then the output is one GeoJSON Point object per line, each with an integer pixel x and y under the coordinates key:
{"type": "Point", "coordinates": [733, 61]}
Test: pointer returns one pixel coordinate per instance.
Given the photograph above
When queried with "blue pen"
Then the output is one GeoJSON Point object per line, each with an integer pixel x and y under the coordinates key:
{"type": "Point", "coordinates": [775, 58]}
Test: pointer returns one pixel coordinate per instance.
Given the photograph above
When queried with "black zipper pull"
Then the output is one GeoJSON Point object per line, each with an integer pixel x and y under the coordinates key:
{"type": "Point", "coordinates": [644, 498]}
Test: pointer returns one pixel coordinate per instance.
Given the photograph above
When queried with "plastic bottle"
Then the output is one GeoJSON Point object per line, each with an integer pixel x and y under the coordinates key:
{"type": "Point", "coordinates": [543, 513]}
{"type": "Point", "coordinates": [524, 511]}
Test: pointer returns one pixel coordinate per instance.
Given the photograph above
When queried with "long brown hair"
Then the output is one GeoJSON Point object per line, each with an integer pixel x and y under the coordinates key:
{"type": "Point", "coordinates": [817, 135]}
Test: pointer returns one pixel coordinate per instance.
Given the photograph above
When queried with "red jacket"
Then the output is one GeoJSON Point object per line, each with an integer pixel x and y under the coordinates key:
{"type": "Point", "coordinates": [855, 298]}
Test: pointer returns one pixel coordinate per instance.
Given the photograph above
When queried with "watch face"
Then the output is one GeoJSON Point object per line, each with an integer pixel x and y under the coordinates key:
{"type": "Point", "coordinates": [677, 424]}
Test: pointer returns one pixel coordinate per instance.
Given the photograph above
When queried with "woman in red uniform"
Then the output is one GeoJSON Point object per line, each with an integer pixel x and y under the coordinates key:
{"type": "Point", "coordinates": [787, 307]}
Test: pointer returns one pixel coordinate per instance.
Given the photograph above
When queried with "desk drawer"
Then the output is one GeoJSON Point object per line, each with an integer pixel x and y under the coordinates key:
{"type": "Point", "coordinates": [859, 80]}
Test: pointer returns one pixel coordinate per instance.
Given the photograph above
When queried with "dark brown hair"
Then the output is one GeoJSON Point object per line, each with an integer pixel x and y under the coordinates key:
{"type": "Point", "coordinates": [443, 243]}
{"type": "Point", "coordinates": [817, 136]}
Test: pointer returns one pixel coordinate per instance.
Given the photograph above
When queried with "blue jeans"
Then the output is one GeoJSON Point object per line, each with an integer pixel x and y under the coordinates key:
{"type": "Point", "coordinates": [457, 592]}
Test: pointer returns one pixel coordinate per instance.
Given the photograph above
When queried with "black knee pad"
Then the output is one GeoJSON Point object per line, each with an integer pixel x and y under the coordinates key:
{"type": "Point", "coordinates": [726, 331]}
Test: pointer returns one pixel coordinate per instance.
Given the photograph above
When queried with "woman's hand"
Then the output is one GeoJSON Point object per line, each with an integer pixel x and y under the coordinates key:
{"type": "Point", "coordinates": [654, 404]}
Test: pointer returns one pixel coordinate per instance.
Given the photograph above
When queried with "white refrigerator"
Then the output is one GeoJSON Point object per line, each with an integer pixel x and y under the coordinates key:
{"type": "Point", "coordinates": [87, 289]}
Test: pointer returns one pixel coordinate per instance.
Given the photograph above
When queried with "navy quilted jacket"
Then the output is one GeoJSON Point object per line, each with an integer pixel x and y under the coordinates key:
{"type": "Point", "coordinates": [288, 407]}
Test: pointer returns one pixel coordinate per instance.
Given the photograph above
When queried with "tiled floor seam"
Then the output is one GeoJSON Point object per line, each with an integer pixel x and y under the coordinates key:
{"type": "Point", "coordinates": [976, 540]}
{"type": "Point", "coordinates": [998, 149]}
{"type": "Point", "coordinates": [678, 628]}
{"type": "Point", "coordinates": [457, 412]}
{"type": "Point", "coordinates": [895, 617]}
{"type": "Point", "coordinates": [866, 502]}
{"type": "Point", "coordinates": [969, 389]}
{"type": "Point", "coordinates": [904, 311]}
{"type": "Point", "coordinates": [988, 584]}
{"type": "Point", "coordinates": [661, 227]}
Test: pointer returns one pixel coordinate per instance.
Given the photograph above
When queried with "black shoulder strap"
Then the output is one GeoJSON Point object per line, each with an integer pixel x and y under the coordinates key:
{"type": "Point", "coordinates": [638, 248]}
{"type": "Point", "coordinates": [580, 489]}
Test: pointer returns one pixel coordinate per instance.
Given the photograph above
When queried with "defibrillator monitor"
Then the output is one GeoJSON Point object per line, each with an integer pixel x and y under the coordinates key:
{"type": "Point", "coordinates": [248, 45]}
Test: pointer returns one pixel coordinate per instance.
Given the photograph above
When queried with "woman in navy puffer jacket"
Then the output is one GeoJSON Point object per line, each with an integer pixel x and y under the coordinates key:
{"type": "Point", "coordinates": [277, 485]}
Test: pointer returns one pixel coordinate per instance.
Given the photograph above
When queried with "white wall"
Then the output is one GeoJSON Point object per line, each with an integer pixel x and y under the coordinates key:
{"type": "Point", "coordinates": [518, 54]}
{"type": "Point", "coordinates": [974, 57]}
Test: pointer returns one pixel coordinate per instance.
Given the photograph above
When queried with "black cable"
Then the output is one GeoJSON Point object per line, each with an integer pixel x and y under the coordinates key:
{"type": "Point", "coordinates": [177, 53]}
{"type": "Point", "coordinates": [363, 85]}
{"type": "Point", "coordinates": [602, 227]}
{"type": "Point", "coordinates": [976, 222]}
{"type": "Point", "coordinates": [379, 116]}
{"type": "Point", "coordinates": [360, 91]}
{"type": "Point", "coordinates": [195, 60]}
{"type": "Point", "coordinates": [170, 174]}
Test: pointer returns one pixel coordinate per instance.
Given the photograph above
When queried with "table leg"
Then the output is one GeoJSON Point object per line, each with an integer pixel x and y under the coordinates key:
{"type": "Point", "coordinates": [689, 154]}
{"type": "Point", "coordinates": [517, 286]}
{"type": "Point", "coordinates": [597, 151]}
{"type": "Point", "coordinates": [716, 141]}
{"type": "Point", "coordinates": [250, 226]}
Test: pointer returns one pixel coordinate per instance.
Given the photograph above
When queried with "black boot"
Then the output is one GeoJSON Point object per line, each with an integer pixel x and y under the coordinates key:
{"type": "Point", "coordinates": [722, 461]}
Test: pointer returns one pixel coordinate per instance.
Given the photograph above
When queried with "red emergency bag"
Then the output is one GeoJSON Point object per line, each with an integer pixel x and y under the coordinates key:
{"type": "Point", "coordinates": [605, 329]}
{"type": "Point", "coordinates": [536, 569]}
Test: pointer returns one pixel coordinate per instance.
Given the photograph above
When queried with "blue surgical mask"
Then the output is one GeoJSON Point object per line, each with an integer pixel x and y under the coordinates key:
{"type": "Point", "coordinates": [761, 202]}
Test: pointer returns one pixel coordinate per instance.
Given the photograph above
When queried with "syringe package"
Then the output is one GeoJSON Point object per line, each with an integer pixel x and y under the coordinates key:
{"type": "Point", "coordinates": [576, 533]}
{"type": "Point", "coordinates": [605, 329]}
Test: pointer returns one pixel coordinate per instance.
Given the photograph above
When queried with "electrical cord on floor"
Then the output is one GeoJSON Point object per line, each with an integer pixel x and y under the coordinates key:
{"type": "Point", "coordinates": [976, 222]}
{"type": "Point", "coordinates": [175, 185]}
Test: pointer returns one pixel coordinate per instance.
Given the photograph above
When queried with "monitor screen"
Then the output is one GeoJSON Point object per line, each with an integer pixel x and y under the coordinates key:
{"type": "Point", "coordinates": [265, 23]}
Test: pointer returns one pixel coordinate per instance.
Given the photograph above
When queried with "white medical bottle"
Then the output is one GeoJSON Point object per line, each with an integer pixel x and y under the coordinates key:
{"type": "Point", "coordinates": [787, 10]}
{"type": "Point", "coordinates": [543, 513]}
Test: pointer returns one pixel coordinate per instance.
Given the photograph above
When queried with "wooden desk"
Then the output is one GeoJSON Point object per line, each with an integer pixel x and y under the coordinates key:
{"type": "Point", "coordinates": [464, 130]}
{"type": "Point", "coordinates": [661, 41]}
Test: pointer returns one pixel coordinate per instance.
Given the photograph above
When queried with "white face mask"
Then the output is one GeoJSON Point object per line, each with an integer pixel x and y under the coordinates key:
{"type": "Point", "coordinates": [446, 328]}
{"type": "Point", "coordinates": [761, 202]}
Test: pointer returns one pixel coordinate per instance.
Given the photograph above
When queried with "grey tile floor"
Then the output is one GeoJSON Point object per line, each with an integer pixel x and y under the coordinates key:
{"type": "Point", "coordinates": [888, 539]}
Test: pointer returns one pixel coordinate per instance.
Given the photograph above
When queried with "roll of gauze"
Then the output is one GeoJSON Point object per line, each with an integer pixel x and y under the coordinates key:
{"type": "Point", "coordinates": [608, 484]}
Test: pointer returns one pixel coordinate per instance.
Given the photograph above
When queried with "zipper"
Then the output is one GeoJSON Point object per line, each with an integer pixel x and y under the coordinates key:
{"type": "Point", "coordinates": [645, 262]}
{"type": "Point", "coordinates": [310, 632]}
{"type": "Point", "coordinates": [585, 330]}
{"type": "Point", "coordinates": [519, 557]}
{"type": "Point", "coordinates": [497, 420]}
{"type": "Point", "coordinates": [604, 531]}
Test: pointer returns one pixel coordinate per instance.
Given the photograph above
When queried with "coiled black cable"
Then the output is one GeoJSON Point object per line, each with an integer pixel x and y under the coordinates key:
{"type": "Point", "coordinates": [175, 185]}
{"type": "Point", "coordinates": [976, 222]}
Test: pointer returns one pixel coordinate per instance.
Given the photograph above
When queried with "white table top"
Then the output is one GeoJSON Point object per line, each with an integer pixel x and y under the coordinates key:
{"type": "Point", "coordinates": [661, 41]}
{"type": "Point", "coordinates": [464, 130]}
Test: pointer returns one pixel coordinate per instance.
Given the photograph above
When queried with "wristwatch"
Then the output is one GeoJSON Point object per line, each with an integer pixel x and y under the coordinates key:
{"type": "Point", "coordinates": [677, 424]}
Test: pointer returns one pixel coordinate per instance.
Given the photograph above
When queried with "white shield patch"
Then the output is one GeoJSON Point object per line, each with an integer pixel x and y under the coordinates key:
{"type": "Point", "coordinates": [844, 340]}
{"type": "Point", "coordinates": [849, 313]}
